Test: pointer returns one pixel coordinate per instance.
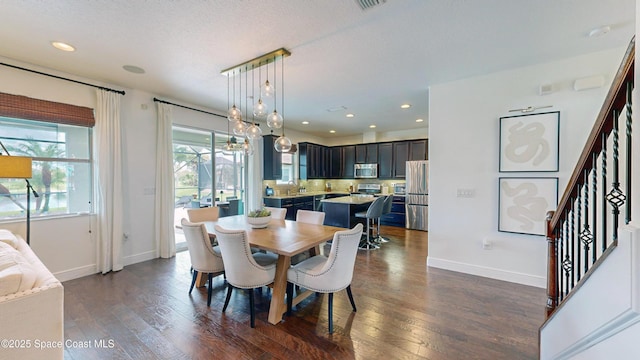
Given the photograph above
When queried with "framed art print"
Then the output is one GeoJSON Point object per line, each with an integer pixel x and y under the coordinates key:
{"type": "Point", "coordinates": [523, 204]}
{"type": "Point", "coordinates": [530, 142]}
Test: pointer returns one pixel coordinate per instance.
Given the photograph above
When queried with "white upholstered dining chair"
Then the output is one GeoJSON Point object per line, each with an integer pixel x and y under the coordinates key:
{"type": "Point", "coordinates": [203, 214]}
{"type": "Point", "coordinates": [277, 213]}
{"type": "Point", "coordinates": [204, 258]}
{"type": "Point", "coordinates": [328, 274]}
{"type": "Point", "coordinates": [243, 269]}
{"type": "Point", "coordinates": [308, 217]}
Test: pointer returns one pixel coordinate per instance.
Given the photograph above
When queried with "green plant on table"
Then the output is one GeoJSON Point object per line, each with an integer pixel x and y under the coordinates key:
{"type": "Point", "coordinates": [259, 213]}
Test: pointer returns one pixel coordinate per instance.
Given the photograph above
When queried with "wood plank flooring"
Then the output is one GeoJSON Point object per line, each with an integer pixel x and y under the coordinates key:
{"type": "Point", "coordinates": [405, 311]}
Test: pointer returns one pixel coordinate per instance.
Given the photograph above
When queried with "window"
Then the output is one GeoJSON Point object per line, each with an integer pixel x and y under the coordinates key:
{"type": "Point", "coordinates": [287, 168]}
{"type": "Point", "coordinates": [62, 174]}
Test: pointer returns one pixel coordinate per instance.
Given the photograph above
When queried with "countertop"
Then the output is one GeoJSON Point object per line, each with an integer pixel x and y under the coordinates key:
{"type": "Point", "coordinates": [351, 200]}
{"type": "Point", "coordinates": [304, 194]}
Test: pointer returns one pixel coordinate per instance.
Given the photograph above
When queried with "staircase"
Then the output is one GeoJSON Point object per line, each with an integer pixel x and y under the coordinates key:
{"type": "Point", "coordinates": [593, 280]}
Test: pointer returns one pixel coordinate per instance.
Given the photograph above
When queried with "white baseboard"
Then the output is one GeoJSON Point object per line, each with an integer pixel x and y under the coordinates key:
{"type": "Point", "coordinates": [76, 273]}
{"type": "Point", "coordinates": [134, 259]}
{"type": "Point", "coordinates": [91, 269]}
{"type": "Point", "coordinates": [515, 277]}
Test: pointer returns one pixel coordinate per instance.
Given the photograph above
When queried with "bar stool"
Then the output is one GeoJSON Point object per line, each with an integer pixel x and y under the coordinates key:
{"type": "Point", "coordinates": [373, 212]}
{"type": "Point", "coordinates": [386, 209]}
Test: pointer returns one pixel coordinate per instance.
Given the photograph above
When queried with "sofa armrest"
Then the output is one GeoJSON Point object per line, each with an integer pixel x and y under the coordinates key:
{"type": "Point", "coordinates": [33, 319]}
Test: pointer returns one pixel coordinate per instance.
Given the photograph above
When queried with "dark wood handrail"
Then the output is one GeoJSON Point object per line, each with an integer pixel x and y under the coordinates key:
{"type": "Point", "coordinates": [615, 99]}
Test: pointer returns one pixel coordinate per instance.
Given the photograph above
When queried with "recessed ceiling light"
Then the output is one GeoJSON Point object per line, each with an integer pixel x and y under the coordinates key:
{"type": "Point", "coordinates": [372, 126]}
{"type": "Point", "coordinates": [350, 115]}
{"type": "Point", "coordinates": [332, 131]}
{"type": "Point", "coordinates": [599, 31]}
{"type": "Point", "coordinates": [134, 69]}
{"type": "Point", "coordinates": [305, 123]}
{"type": "Point", "coordinates": [405, 106]}
{"type": "Point", "coordinates": [62, 46]}
{"type": "Point", "coordinates": [419, 120]}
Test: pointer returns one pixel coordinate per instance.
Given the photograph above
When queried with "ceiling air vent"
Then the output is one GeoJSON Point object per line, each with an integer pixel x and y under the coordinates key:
{"type": "Point", "coordinates": [368, 4]}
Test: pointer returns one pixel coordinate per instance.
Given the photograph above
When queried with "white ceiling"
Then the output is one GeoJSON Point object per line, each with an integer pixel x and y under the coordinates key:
{"type": "Point", "coordinates": [368, 61]}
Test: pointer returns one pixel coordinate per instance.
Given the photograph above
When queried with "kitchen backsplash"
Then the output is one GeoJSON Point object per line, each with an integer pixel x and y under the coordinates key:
{"type": "Point", "coordinates": [337, 185]}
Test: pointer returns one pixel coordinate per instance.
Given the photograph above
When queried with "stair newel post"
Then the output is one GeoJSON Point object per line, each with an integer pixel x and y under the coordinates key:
{"type": "Point", "coordinates": [552, 267]}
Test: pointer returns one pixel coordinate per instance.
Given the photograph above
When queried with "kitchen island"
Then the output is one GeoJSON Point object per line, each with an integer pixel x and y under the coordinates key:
{"type": "Point", "coordinates": [299, 201]}
{"type": "Point", "coordinates": [341, 211]}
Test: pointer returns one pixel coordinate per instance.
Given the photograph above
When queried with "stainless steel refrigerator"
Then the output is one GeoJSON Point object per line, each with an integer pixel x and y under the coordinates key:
{"type": "Point", "coordinates": [417, 198]}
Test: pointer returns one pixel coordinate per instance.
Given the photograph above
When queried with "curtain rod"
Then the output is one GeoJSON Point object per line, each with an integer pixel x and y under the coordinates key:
{"type": "Point", "coordinates": [121, 92]}
{"type": "Point", "coordinates": [194, 109]}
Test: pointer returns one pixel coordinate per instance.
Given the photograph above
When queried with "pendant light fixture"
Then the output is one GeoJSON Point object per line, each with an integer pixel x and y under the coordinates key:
{"type": "Point", "coordinates": [274, 120]}
{"type": "Point", "coordinates": [267, 90]}
{"type": "Point", "coordinates": [234, 113]}
{"type": "Point", "coordinates": [253, 131]}
{"type": "Point", "coordinates": [283, 143]}
{"type": "Point", "coordinates": [260, 109]}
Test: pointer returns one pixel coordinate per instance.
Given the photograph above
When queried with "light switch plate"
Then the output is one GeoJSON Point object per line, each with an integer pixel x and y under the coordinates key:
{"type": "Point", "coordinates": [466, 193]}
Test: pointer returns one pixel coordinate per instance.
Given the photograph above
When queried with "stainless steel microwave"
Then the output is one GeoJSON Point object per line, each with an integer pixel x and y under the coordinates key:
{"type": "Point", "coordinates": [366, 171]}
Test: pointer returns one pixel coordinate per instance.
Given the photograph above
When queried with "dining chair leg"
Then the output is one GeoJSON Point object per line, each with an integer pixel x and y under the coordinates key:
{"type": "Point", "coordinates": [330, 313]}
{"type": "Point", "coordinates": [193, 280]}
{"type": "Point", "coordinates": [252, 310]}
{"type": "Point", "coordinates": [353, 304]}
{"type": "Point", "coordinates": [226, 301]}
{"type": "Point", "coordinates": [210, 289]}
{"type": "Point", "coordinates": [289, 298]}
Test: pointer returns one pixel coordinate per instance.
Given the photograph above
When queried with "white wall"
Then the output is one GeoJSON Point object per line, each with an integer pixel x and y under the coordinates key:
{"type": "Point", "coordinates": [463, 152]}
{"type": "Point", "coordinates": [67, 245]}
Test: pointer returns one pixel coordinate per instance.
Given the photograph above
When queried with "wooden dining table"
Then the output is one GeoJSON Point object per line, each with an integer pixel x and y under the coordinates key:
{"type": "Point", "coordinates": [285, 238]}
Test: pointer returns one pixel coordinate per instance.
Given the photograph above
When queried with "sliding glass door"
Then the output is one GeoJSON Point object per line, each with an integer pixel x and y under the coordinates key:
{"type": "Point", "coordinates": [205, 180]}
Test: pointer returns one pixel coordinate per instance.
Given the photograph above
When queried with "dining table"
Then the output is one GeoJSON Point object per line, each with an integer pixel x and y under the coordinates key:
{"type": "Point", "coordinates": [285, 238]}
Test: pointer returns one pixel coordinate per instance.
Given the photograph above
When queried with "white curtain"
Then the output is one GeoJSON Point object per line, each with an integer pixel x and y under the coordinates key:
{"type": "Point", "coordinates": [253, 198]}
{"type": "Point", "coordinates": [165, 198]}
{"type": "Point", "coordinates": [108, 168]}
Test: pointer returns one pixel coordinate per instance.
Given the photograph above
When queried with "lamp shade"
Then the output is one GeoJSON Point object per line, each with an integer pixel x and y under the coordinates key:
{"type": "Point", "coordinates": [15, 167]}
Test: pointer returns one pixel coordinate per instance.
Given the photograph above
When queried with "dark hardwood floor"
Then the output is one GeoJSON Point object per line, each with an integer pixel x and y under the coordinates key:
{"type": "Point", "coordinates": [405, 311]}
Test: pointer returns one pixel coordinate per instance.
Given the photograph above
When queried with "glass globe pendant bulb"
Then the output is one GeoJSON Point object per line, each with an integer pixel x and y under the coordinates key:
{"type": "Point", "coordinates": [267, 90]}
{"type": "Point", "coordinates": [239, 128]}
{"type": "Point", "coordinates": [253, 132]}
{"type": "Point", "coordinates": [234, 114]}
{"type": "Point", "coordinates": [260, 109]}
{"type": "Point", "coordinates": [282, 144]}
{"type": "Point", "coordinates": [247, 148]}
{"type": "Point", "coordinates": [274, 120]}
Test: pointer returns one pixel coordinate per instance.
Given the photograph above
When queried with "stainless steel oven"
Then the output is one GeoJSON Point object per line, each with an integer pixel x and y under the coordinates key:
{"type": "Point", "coordinates": [366, 171]}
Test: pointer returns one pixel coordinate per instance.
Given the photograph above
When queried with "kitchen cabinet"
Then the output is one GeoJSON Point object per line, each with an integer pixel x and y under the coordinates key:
{"type": "Point", "coordinates": [400, 157]}
{"type": "Point", "coordinates": [272, 160]}
{"type": "Point", "coordinates": [342, 161]}
{"type": "Point", "coordinates": [385, 161]}
{"type": "Point", "coordinates": [286, 203]}
{"type": "Point", "coordinates": [367, 153]}
{"type": "Point", "coordinates": [337, 162]}
{"type": "Point", "coordinates": [335, 168]}
{"type": "Point", "coordinates": [397, 216]}
{"type": "Point", "coordinates": [418, 149]}
{"type": "Point", "coordinates": [348, 161]}
{"type": "Point", "coordinates": [314, 161]}
{"type": "Point", "coordinates": [292, 204]}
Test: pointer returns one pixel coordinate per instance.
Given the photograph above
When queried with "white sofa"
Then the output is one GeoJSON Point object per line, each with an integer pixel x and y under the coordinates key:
{"type": "Point", "coordinates": [31, 304]}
